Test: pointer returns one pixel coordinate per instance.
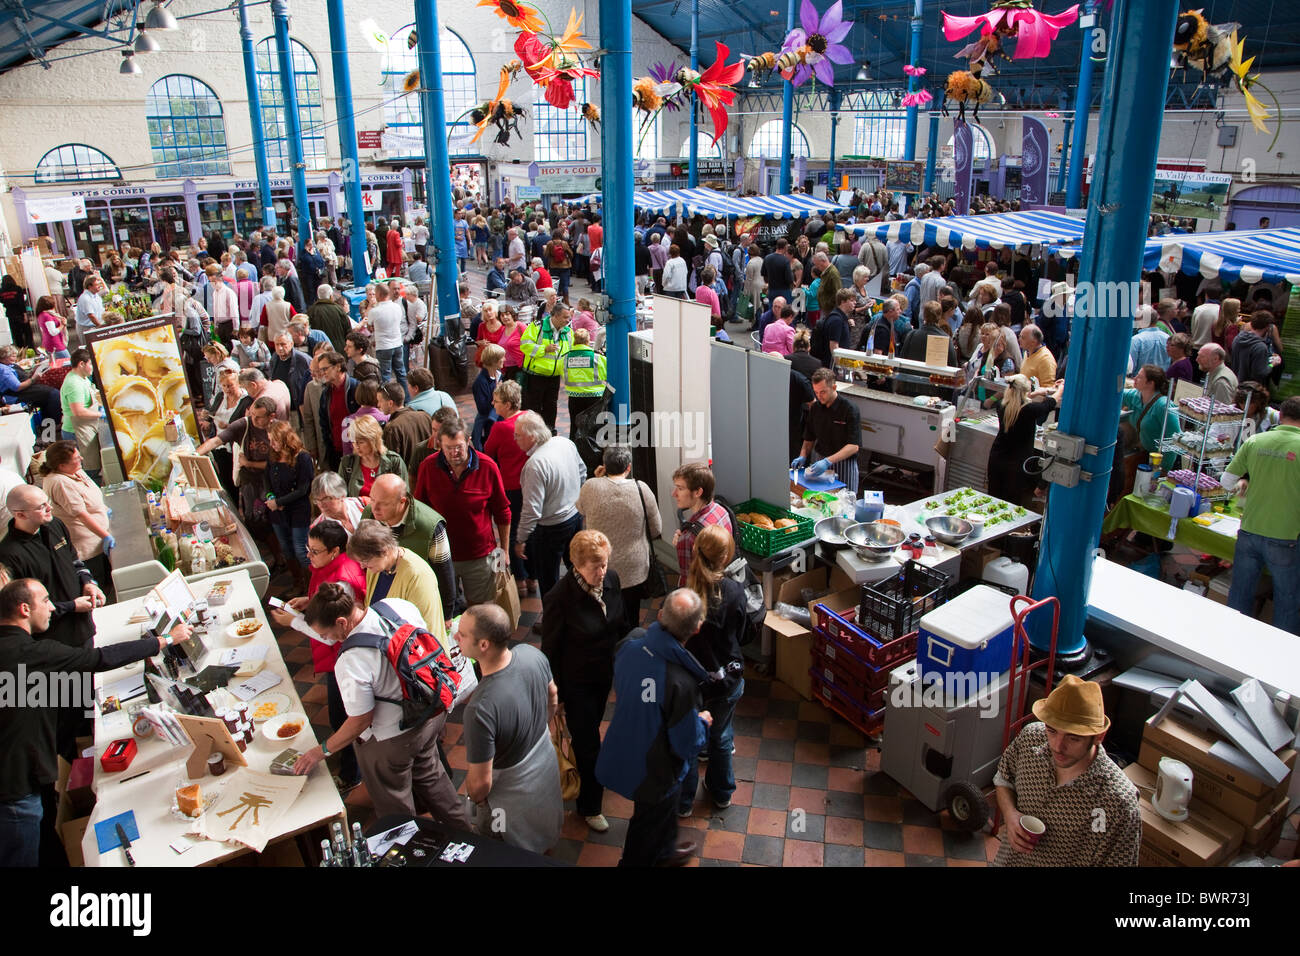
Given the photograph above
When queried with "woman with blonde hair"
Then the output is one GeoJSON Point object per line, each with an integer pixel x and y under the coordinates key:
{"type": "Point", "coordinates": [582, 621]}
{"type": "Point", "coordinates": [289, 475]}
{"type": "Point", "coordinates": [369, 459]}
{"type": "Point", "coordinates": [716, 645]}
{"type": "Point", "coordinates": [1229, 312]}
{"type": "Point", "coordinates": [1020, 411]}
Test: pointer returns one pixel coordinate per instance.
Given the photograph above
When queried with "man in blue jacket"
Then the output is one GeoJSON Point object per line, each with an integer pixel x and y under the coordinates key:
{"type": "Point", "coordinates": [657, 728]}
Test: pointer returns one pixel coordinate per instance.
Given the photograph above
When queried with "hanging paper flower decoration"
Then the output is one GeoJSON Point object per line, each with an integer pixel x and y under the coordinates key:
{"type": "Point", "coordinates": [914, 70]}
{"type": "Point", "coordinates": [1241, 70]}
{"type": "Point", "coordinates": [552, 69]}
{"type": "Point", "coordinates": [713, 87]}
{"type": "Point", "coordinates": [519, 15]}
{"type": "Point", "coordinates": [917, 99]}
{"type": "Point", "coordinates": [1052, 115]}
{"type": "Point", "coordinates": [1014, 18]}
{"type": "Point", "coordinates": [646, 98]}
{"type": "Point", "coordinates": [815, 44]}
{"type": "Point", "coordinates": [663, 78]}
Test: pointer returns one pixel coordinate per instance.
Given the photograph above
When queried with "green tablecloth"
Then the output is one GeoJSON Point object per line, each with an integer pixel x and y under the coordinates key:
{"type": "Point", "coordinates": [1133, 512]}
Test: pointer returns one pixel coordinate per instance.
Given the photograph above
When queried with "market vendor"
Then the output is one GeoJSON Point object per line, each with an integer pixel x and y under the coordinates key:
{"type": "Point", "coordinates": [1269, 463]}
{"type": "Point", "coordinates": [1057, 771]}
{"type": "Point", "coordinates": [42, 398]}
{"type": "Point", "coordinates": [833, 430]}
{"type": "Point", "coordinates": [1144, 410]}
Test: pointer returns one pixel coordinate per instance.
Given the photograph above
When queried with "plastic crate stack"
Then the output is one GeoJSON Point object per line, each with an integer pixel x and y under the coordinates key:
{"type": "Point", "coordinates": [854, 650]}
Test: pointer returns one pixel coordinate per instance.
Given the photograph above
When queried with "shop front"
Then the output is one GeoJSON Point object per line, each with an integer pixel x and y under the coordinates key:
{"type": "Point", "coordinates": [177, 212]}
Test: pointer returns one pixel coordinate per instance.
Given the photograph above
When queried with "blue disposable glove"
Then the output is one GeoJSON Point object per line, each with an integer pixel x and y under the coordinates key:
{"type": "Point", "coordinates": [797, 463]}
{"type": "Point", "coordinates": [818, 468]}
{"type": "Point", "coordinates": [110, 513]}
{"type": "Point", "coordinates": [109, 543]}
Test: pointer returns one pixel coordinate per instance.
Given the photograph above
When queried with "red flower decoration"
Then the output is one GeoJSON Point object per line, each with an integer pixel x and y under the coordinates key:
{"type": "Point", "coordinates": [559, 93]}
{"type": "Point", "coordinates": [714, 88]}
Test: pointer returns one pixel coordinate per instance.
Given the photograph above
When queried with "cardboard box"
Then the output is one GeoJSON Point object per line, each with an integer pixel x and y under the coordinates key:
{"type": "Point", "coordinates": [1150, 856]}
{"type": "Point", "coordinates": [1269, 826]}
{"type": "Point", "coordinates": [793, 642]}
{"type": "Point", "coordinates": [72, 833]}
{"type": "Point", "coordinates": [1205, 838]}
{"type": "Point", "coordinates": [1201, 813]}
{"type": "Point", "coordinates": [1177, 739]}
{"type": "Point", "coordinates": [779, 580]}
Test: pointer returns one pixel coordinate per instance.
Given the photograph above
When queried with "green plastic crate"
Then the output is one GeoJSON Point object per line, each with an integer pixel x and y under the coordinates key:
{"type": "Point", "coordinates": [765, 543]}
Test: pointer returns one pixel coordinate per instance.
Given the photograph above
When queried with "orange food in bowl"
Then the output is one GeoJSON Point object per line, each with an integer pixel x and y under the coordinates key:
{"type": "Point", "coordinates": [288, 730]}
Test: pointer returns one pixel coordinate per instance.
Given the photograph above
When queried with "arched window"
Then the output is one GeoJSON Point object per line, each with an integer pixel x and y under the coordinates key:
{"type": "Point", "coordinates": [707, 149]}
{"type": "Point", "coordinates": [311, 108]}
{"type": "Point", "coordinates": [402, 110]}
{"type": "Point", "coordinates": [980, 139]}
{"type": "Point", "coordinates": [646, 141]}
{"type": "Point", "coordinates": [882, 135]}
{"type": "Point", "coordinates": [187, 131]}
{"type": "Point", "coordinates": [559, 135]}
{"type": "Point", "coordinates": [766, 141]}
{"type": "Point", "coordinates": [75, 162]}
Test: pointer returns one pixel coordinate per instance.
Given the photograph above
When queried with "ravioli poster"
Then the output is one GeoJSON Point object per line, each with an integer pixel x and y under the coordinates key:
{"type": "Point", "coordinates": [142, 379]}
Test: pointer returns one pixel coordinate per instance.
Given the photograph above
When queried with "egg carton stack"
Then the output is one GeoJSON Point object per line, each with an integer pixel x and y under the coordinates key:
{"type": "Point", "coordinates": [1203, 484]}
{"type": "Point", "coordinates": [1205, 409]}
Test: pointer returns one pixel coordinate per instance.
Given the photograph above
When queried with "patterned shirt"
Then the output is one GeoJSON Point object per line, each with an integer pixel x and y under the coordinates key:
{"type": "Point", "coordinates": [597, 594]}
{"type": "Point", "coordinates": [712, 513]}
{"type": "Point", "coordinates": [1091, 821]}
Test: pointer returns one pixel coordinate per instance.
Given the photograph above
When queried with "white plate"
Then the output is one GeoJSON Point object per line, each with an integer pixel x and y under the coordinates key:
{"type": "Point", "coordinates": [281, 702]}
{"type": "Point", "coordinates": [234, 635]}
{"type": "Point", "coordinates": [271, 727]}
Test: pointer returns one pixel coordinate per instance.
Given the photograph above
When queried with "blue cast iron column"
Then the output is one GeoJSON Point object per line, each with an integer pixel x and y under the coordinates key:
{"type": "Point", "coordinates": [1128, 138]}
{"type": "Point", "coordinates": [292, 121]}
{"type": "Point", "coordinates": [437, 162]}
{"type": "Point", "coordinates": [348, 139]}
{"type": "Point", "coordinates": [913, 82]}
{"type": "Point", "coordinates": [835, 121]}
{"type": "Point", "coordinates": [616, 169]}
{"type": "Point", "coordinates": [693, 176]}
{"type": "Point", "coordinates": [255, 118]}
{"type": "Point", "coordinates": [1082, 106]}
{"type": "Point", "coordinates": [931, 153]}
{"type": "Point", "coordinates": [787, 114]}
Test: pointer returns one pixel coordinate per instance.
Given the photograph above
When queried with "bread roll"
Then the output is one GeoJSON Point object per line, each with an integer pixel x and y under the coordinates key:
{"type": "Point", "coordinates": [763, 521]}
{"type": "Point", "coordinates": [785, 523]}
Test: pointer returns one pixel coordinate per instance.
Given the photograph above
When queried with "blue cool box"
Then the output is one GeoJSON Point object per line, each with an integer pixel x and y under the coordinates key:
{"type": "Point", "coordinates": [970, 634]}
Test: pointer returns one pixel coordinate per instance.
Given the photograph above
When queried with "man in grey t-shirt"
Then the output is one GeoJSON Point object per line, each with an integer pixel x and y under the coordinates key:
{"type": "Point", "coordinates": [513, 778]}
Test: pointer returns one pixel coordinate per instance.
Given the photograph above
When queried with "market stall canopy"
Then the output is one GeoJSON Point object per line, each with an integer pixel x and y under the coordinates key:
{"type": "Point", "coordinates": [709, 202]}
{"type": "Point", "coordinates": [1003, 230]}
{"type": "Point", "coordinates": [1255, 255]}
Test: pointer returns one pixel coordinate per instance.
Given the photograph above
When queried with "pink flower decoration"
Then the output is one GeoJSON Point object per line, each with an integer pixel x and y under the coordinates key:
{"type": "Point", "coordinates": [1052, 115]}
{"type": "Point", "coordinates": [914, 70]}
{"type": "Point", "coordinates": [917, 99]}
{"type": "Point", "coordinates": [1035, 31]}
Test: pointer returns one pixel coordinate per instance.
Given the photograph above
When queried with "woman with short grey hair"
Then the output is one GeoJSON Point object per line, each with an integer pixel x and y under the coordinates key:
{"type": "Point", "coordinates": [626, 512]}
{"type": "Point", "coordinates": [396, 572]}
{"type": "Point", "coordinates": [329, 493]}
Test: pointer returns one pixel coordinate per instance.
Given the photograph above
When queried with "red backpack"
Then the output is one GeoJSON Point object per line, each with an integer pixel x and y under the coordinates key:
{"type": "Point", "coordinates": [428, 677]}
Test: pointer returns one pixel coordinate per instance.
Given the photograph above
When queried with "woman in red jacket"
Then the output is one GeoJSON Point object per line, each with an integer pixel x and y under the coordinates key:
{"type": "Point", "coordinates": [327, 545]}
{"type": "Point", "coordinates": [396, 251]}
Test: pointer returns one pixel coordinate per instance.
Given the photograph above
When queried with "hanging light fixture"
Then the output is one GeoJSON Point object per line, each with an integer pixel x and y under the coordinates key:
{"type": "Point", "coordinates": [160, 18]}
{"type": "Point", "coordinates": [129, 65]}
{"type": "Point", "coordinates": [863, 76]}
{"type": "Point", "coordinates": [144, 43]}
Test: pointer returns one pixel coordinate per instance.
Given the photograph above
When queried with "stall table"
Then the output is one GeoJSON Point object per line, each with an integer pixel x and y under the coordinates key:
{"type": "Point", "coordinates": [907, 515]}
{"type": "Point", "coordinates": [488, 851]}
{"type": "Point", "coordinates": [1220, 539]}
{"type": "Point", "coordinates": [150, 796]}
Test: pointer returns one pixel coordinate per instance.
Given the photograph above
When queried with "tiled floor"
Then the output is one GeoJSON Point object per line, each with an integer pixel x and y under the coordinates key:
{"type": "Point", "coordinates": [809, 788]}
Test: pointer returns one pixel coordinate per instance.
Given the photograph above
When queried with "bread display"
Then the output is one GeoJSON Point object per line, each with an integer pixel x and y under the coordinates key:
{"type": "Point", "coordinates": [784, 523]}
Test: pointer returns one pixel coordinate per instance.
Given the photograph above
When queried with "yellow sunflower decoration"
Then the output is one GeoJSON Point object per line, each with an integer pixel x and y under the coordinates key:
{"type": "Point", "coordinates": [519, 15]}
{"type": "Point", "coordinates": [1241, 70]}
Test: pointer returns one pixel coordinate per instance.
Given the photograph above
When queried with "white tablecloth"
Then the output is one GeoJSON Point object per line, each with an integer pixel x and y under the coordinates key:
{"type": "Point", "coordinates": [150, 796]}
{"type": "Point", "coordinates": [16, 441]}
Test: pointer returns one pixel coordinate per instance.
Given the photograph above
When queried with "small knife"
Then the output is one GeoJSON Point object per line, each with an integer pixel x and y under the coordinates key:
{"type": "Point", "coordinates": [126, 844]}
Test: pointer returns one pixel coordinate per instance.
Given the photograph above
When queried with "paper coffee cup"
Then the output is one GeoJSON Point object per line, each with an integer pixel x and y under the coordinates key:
{"type": "Point", "coordinates": [1035, 827]}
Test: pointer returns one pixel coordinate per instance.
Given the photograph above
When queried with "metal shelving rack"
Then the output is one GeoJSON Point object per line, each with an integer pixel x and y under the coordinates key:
{"type": "Point", "coordinates": [1207, 453]}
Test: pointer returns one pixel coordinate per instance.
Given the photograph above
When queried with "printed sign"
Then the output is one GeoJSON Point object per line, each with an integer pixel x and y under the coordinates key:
{"type": "Point", "coordinates": [1034, 151]}
{"type": "Point", "coordinates": [1190, 194]}
{"type": "Point", "coordinates": [370, 139]}
{"type": "Point", "coordinates": [904, 177]}
{"type": "Point", "coordinates": [56, 209]}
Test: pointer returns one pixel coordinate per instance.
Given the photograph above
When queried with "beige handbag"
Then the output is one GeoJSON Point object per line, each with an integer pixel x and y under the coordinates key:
{"type": "Point", "coordinates": [570, 779]}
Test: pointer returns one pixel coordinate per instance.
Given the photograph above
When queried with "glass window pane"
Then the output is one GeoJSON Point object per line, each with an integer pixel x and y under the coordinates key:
{"type": "Point", "coordinates": [311, 111]}
{"type": "Point", "coordinates": [182, 115]}
{"type": "Point", "coordinates": [766, 141]}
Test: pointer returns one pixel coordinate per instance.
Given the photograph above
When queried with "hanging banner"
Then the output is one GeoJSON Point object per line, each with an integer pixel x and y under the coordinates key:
{"type": "Point", "coordinates": [55, 209]}
{"type": "Point", "coordinates": [1188, 194]}
{"type": "Point", "coordinates": [1034, 157]}
{"type": "Point", "coordinates": [963, 167]}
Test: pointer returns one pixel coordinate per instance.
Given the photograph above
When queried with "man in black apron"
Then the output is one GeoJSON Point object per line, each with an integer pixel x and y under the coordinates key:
{"type": "Point", "coordinates": [833, 430]}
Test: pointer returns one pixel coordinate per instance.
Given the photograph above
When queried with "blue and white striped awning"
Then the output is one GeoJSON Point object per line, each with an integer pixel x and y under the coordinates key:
{"type": "Point", "coordinates": [1003, 230]}
{"type": "Point", "coordinates": [708, 202]}
{"type": "Point", "coordinates": [1255, 255]}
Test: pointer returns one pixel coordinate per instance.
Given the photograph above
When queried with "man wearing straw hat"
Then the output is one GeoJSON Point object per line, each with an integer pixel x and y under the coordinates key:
{"type": "Point", "coordinates": [1084, 809]}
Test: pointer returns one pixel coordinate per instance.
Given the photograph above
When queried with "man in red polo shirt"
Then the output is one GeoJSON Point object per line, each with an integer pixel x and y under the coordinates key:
{"type": "Point", "coordinates": [465, 486]}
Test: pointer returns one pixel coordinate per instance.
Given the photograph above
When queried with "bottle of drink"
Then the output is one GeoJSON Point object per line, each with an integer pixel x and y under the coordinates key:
{"type": "Point", "coordinates": [326, 857]}
{"type": "Point", "coordinates": [360, 850]}
{"type": "Point", "coordinates": [340, 845]}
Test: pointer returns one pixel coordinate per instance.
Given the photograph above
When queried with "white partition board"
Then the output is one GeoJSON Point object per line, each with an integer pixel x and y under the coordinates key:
{"type": "Point", "coordinates": [681, 393]}
{"type": "Point", "coordinates": [730, 416]}
{"type": "Point", "coordinates": [769, 428]}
